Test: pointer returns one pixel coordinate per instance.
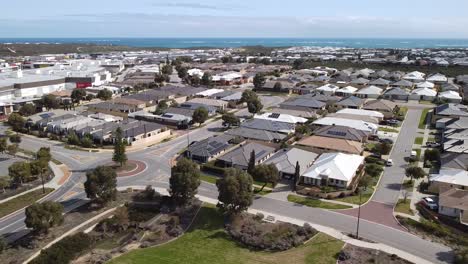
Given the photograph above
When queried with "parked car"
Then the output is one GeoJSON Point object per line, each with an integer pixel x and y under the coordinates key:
{"type": "Point", "coordinates": [432, 144]}
{"type": "Point", "coordinates": [430, 203]}
{"type": "Point", "coordinates": [386, 140]}
{"type": "Point", "coordinates": [414, 154]}
{"type": "Point", "coordinates": [392, 122]}
{"type": "Point", "coordinates": [389, 163]}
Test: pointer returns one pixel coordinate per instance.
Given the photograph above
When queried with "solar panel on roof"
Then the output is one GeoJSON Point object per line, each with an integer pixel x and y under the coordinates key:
{"type": "Point", "coordinates": [337, 133]}
{"type": "Point", "coordinates": [46, 115]}
{"type": "Point", "coordinates": [274, 115]}
{"type": "Point", "coordinates": [260, 153]}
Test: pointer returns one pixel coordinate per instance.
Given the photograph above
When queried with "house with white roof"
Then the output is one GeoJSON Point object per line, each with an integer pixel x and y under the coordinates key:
{"type": "Point", "coordinates": [346, 91]}
{"type": "Point", "coordinates": [195, 72]}
{"type": "Point", "coordinates": [209, 92]}
{"type": "Point", "coordinates": [448, 178]}
{"type": "Point", "coordinates": [369, 92]}
{"type": "Point", "coordinates": [333, 169]}
{"type": "Point", "coordinates": [450, 96]}
{"type": "Point", "coordinates": [438, 78]}
{"type": "Point", "coordinates": [356, 124]}
{"type": "Point", "coordinates": [415, 76]}
{"type": "Point", "coordinates": [425, 84]}
{"type": "Point", "coordinates": [425, 94]}
{"type": "Point", "coordinates": [285, 118]}
{"type": "Point", "coordinates": [361, 112]}
{"type": "Point", "coordinates": [328, 89]}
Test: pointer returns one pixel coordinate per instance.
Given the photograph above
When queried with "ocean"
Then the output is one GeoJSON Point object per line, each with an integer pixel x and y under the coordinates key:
{"type": "Point", "coordinates": [268, 42]}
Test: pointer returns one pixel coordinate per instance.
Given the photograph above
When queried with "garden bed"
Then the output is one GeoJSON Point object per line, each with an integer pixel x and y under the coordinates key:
{"type": "Point", "coordinates": [351, 254]}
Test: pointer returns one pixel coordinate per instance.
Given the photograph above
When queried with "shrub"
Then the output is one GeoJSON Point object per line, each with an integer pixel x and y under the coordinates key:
{"type": "Point", "coordinates": [246, 229]}
{"type": "Point", "coordinates": [65, 250]}
{"type": "Point", "coordinates": [212, 168]}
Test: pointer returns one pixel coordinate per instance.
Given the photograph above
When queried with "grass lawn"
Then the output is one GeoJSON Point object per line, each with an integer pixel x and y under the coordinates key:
{"type": "Point", "coordinates": [24, 200]}
{"type": "Point", "coordinates": [418, 140]}
{"type": "Point", "coordinates": [263, 192]}
{"type": "Point", "coordinates": [354, 199]}
{"type": "Point", "coordinates": [403, 111]}
{"type": "Point", "coordinates": [315, 202]}
{"type": "Point", "coordinates": [418, 154]}
{"type": "Point", "coordinates": [208, 178]}
{"type": "Point", "coordinates": [408, 185]}
{"type": "Point", "coordinates": [259, 183]}
{"type": "Point", "coordinates": [387, 129]}
{"type": "Point", "coordinates": [404, 207]}
{"type": "Point", "coordinates": [207, 243]}
{"type": "Point", "coordinates": [431, 139]}
{"type": "Point", "coordinates": [422, 120]}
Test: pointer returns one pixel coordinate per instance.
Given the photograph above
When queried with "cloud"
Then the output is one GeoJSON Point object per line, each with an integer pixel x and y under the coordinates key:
{"type": "Point", "coordinates": [194, 6]}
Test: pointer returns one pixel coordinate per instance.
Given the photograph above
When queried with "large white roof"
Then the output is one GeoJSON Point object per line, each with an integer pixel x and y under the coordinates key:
{"type": "Point", "coordinates": [348, 89]}
{"type": "Point", "coordinates": [425, 84]}
{"type": "Point", "coordinates": [450, 95]}
{"type": "Point", "coordinates": [451, 176]}
{"type": "Point", "coordinates": [328, 87]}
{"type": "Point", "coordinates": [338, 166]}
{"type": "Point", "coordinates": [281, 118]}
{"type": "Point", "coordinates": [424, 91]}
{"type": "Point", "coordinates": [356, 124]}
{"type": "Point", "coordinates": [370, 90]}
{"type": "Point", "coordinates": [360, 112]}
{"type": "Point", "coordinates": [210, 92]}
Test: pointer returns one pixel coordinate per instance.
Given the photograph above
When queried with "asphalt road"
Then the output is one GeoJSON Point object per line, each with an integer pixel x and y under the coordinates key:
{"type": "Point", "coordinates": [157, 174]}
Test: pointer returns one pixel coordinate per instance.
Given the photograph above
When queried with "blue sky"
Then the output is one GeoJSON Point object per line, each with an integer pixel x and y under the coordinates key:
{"type": "Point", "coordinates": [241, 18]}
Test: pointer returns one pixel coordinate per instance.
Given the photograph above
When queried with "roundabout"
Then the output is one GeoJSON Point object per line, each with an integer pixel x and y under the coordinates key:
{"type": "Point", "coordinates": [129, 169]}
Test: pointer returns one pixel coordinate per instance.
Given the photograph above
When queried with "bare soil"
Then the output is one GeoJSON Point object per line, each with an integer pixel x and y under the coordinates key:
{"type": "Point", "coordinates": [359, 255]}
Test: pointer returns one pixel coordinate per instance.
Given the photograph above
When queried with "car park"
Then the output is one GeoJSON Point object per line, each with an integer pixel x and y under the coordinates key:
{"type": "Point", "coordinates": [430, 203]}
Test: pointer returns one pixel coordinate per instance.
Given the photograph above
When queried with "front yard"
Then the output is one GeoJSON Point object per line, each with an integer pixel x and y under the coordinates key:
{"type": "Point", "coordinates": [207, 242]}
{"type": "Point", "coordinates": [311, 202]}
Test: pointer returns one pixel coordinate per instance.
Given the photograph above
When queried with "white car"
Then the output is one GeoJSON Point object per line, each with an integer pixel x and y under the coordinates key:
{"type": "Point", "coordinates": [413, 154]}
{"type": "Point", "coordinates": [430, 203]}
{"type": "Point", "coordinates": [389, 163]}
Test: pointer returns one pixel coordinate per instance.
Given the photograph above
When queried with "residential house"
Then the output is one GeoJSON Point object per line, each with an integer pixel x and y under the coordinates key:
{"type": "Point", "coordinates": [396, 93]}
{"type": "Point", "coordinates": [383, 106]}
{"type": "Point", "coordinates": [438, 78]}
{"type": "Point", "coordinates": [351, 102]}
{"type": "Point", "coordinates": [256, 134]}
{"type": "Point", "coordinates": [454, 203]}
{"type": "Point", "coordinates": [210, 148]}
{"type": "Point", "coordinates": [405, 84]}
{"type": "Point", "coordinates": [269, 125]}
{"type": "Point", "coordinates": [303, 104]}
{"type": "Point", "coordinates": [449, 111]}
{"type": "Point", "coordinates": [369, 92]}
{"type": "Point", "coordinates": [380, 82]}
{"type": "Point", "coordinates": [321, 144]}
{"type": "Point", "coordinates": [450, 87]}
{"type": "Point", "coordinates": [450, 97]}
{"type": "Point", "coordinates": [284, 118]}
{"type": "Point", "coordinates": [328, 89]}
{"type": "Point", "coordinates": [220, 105]}
{"type": "Point", "coordinates": [457, 161]}
{"type": "Point", "coordinates": [425, 94]}
{"type": "Point", "coordinates": [360, 82]}
{"type": "Point", "coordinates": [415, 76]}
{"type": "Point", "coordinates": [362, 112]}
{"type": "Point", "coordinates": [425, 84]}
{"type": "Point", "coordinates": [346, 91]}
{"type": "Point", "coordinates": [356, 124]}
{"type": "Point", "coordinates": [286, 160]}
{"type": "Point", "coordinates": [240, 156]}
{"type": "Point", "coordinates": [448, 178]}
{"type": "Point", "coordinates": [342, 132]}
{"type": "Point", "coordinates": [334, 169]}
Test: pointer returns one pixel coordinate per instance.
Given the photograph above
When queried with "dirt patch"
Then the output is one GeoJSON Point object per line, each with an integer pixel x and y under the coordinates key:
{"type": "Point", "coordinates": [351, 254]}
{"type": "Point", "coordinates": [66, 174]}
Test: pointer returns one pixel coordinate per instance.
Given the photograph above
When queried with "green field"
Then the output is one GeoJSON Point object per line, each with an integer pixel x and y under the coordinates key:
{"type": "Point", "coordinates": [404, 207]}
{"type": "Point", "coordinates": [422, 120]}
{"type": "Point", "coordinates": [207, 243]}
{"type": "Point", "coordinates": [418, 140]}
{"type": "Point", "coordinates": [315, 202]}
{"type": "Point", "coordinates": [21, 201]}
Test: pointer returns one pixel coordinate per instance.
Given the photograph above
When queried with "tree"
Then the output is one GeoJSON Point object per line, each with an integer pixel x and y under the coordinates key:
{"type": "Point", "coordinates": [119, 148]}
{"type": "Point", "coordinates": [373, 169]}
{"type": "Point", "coordinates": [38, 168]}
{"type": "Point", "coordinates": [297, 175]}
{"type": "Point", "coordinates": [251, 164]}
{"type": "Point", "coordinates": [382, 148]}
{"type": "Point", "coordinates": [182, 72]}
{"type": "Point", "coordinates": [4, 183]}
{"type": "Point", "coordinates": [73, 139]}
{"type": "Point", "coordinates": [166, 69]}
{"type": "Point", "coordinates": [432, 155]}
{"type": "Point", "coordinates": [254, 106]}
{"type": "Point", "coordinates": [235, 191]}
{"type": "Point", "coordinates": [44, 154]}
{"type": "Point", "coordinates": [184, 181]}
{"type": "Point", "coordinates": [78, 95]}
{"type": "Point", "coordinates": [195, 80]}
{"type": "Point", "coordinates": [89, 97]}
{"type": "Point", "coordinates": [277, 87]}
{"type": "Point", "coordinates": [161, 78]}
{"type": "Point", "coordinates": [15, 138]}
{"type": "Point", "coordinates": [161, 108]}
{"type": "Point", "coordinates": [12, 149]}
{"type": "Point", "coordinates": [16, 121]}
{"type": "Point", "coordinates": [42, 216]}
{"type": "Point", "coordinates": [206, 79]}
{"type": "Point", "coordinates": [415, 172]}
{"type": "Point", "coordinates": [20, 171]}
{"type": "Point", "coordinates": [200, 115]}
{"type": "Point", "coordinates": [86, 142]}
{"type": "Point", "coordinates": [3, 244]}
{"type": "Point", "coordinates": [248, 96]}
{"type": "Point", "coordinates": [230, 119]}
{"type": "Point", "coordinates": [226, 59]}
{"type": "Point", "coordinates": [104, 94]}
{"type": "Point", "coordinates": [365, 181]}
{"type": "Point", "coordinates": [259, 80]}
{"type": "Point", "coordinates": [3, 144]}
{"type": "Point", "coordinates": [27, 110]}
{"type": "Point", "coordinates": [101, 184]}
{"type": "Point", "coordinates": [50, 101]}
{"type": "Point", "coordinates": [266, 174]}
{"type": "Point", "coordinates": [303, 129]}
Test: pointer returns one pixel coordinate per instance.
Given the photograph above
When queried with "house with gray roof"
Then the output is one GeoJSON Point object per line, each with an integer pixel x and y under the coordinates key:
{"type": "Point", "coordinates": [269, 125]}
{"type": "Point", "coordinates": [342, 132]}
{"type": "Point", "coordinates": [240, 156]}
{"type": "Point", "coordinates": [351, 102]}
{"type": "Point", "coordinates": [369, 92]}
{"type": "Point", "coordinates": [380, 82]}
{"type": "Point", "coordinates": [286, 160]}
{"type": "Point", "coordinates": [256, 134]}
{"type": "Point", "coordinates": [450, 87]}
{"type": "Point", "coordinates": [396, 93]}
{"type": "Point", "coordinates": [210, 148]}
{"type": "Point", "coordinates": [360, 82]}
{"type": "Point", "coordinates": [303, 104]}
{"type": "Point", "coordinates": [450, 160]}
{"type": "Point", "coordinates": [403, 84]}
{"type": "Point", "coordinates": [449, 111]}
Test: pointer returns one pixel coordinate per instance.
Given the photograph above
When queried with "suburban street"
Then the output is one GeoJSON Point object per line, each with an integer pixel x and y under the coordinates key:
{"type": "Point", "coordinates": [157, 161]}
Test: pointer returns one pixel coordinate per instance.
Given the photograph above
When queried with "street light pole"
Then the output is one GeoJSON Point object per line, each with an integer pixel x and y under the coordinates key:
{"type": "Point", "coordinates": [359, 214]}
